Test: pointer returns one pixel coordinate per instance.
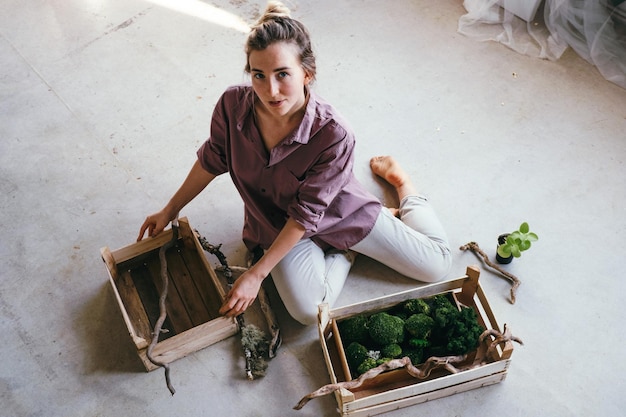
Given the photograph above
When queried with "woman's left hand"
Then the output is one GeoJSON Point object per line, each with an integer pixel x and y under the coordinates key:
{"type": "Point", "coordinates": [247, 286]}
{"type": "Point", "coordinates": [242, 294]}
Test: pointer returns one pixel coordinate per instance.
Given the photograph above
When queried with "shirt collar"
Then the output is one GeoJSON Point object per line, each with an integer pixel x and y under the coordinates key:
{"type": "Point", "coordinates": [246, 108]}
{"type": "Point", "coordinates": [303, 133]}
{"type": "Point", "coordinates": [305, 130]}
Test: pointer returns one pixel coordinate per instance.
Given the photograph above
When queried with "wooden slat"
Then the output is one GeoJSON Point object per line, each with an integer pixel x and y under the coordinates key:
{"type": "Point", "coordinates": [201, 271]}
{"type": "Point", "coordinates": [428, 387]}
{"type": "Point", "coordinates": [468, 290]}
{"type": "Point", "coordinates": [422, 398]}
{"type": "Point", "coordinates": [209, 285]}
{"type": "Point", "coordinates": [187, 235]}
{"type": "Point", "coordinates": [492, 322]}
{"type": "Point", "coordinates": [143, 280]}
{"type": "Point", "coordinates": [186, 287]}
{"type": "Point", "coordinates": [342, 353]}
{"type": "Point", "coordinates": [136, 332]}
{"type": "Point", "coordinates": [507, 351]}
{"type": "Point", "coordinates": [177, 315]}
{"type": "Point", "coordinates": [191, 341]}
{"type": "Point", "coordinates": [324, 334]}
{"type": "Point", "coordinates": [109, 262]}
{"type": "Point", "coordinates": [207, 267]}
{"type": "Point", "coordinates": [137, 249]}
{"type": "Point", "coordinates": [386, 302]}
{"type": "Point", "coordinates": [323, 315]}
{"type": "Point", "coordinates": [134, 307]}
{"type": "Point", "coordinates": [203, 282]}
{"type": "Point", "coordinates": [344, 396]}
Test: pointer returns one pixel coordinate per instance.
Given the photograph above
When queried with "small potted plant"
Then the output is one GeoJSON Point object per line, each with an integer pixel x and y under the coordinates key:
{"type": "Point", "coordinates": [511, 245]}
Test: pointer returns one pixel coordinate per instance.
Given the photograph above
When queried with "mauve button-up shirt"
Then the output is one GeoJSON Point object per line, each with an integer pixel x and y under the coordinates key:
{"type": "Point", "coordinates": [307, 177]}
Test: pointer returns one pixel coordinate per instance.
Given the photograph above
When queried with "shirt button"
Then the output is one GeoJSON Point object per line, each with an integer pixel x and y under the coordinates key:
{"type": "Point", "coordinates": [262, 190]}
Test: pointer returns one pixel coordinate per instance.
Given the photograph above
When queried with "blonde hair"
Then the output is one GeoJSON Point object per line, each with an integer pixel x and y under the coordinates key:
{"type": "Point", "coordinates": [276, 25]}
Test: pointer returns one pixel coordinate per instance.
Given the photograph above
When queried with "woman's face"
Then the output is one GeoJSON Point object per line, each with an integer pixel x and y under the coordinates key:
{"type": "Point", "coordinates": [278, 78]}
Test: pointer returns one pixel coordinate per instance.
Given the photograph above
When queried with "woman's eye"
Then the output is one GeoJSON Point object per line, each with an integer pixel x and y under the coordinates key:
{"type": "Point", "coordinates": [259, 76]}
{"type": "Point", "coordinates": [282, 74]}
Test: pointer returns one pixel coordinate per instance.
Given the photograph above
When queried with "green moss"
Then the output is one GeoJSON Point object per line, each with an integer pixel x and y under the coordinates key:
{"type": "Point", "coordinates": [393, 350]}
{"type": "Point", "coordinates": [354, 329]}
{"type": "Point", "coordinates": [419, 325]}
{"type": "Point", "coordinates": [356, 353]}
{"type": "Point", "coordinates": [385, 329]}
{"type": "Point", "coordinates": [416, 306]}
{"type": "Point", "coordinates": [435, 327]}
{"type": "Point", "coordinates": [367, 364]}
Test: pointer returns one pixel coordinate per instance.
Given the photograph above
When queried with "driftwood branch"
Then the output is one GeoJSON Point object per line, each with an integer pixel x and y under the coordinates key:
{"type": "Point", "coordinates": [270, 318]}
{"type": "Point", "coordinates": [253, 340]}
{"type": "Point", "coordinates": [276, 339]}
{"type": "Point", "coordinates": [230, 280]}
{"type": "Point", "coordinates": [163, 313]}
{"type": "Point", "coordinates": [421, 372]}
{"type": "Point", "coordinates": [499, 338]}
{"type": "Point", "coordinates": [515, 282]}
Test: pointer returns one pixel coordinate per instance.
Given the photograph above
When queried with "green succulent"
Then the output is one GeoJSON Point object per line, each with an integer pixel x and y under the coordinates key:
{"type": "Point", "coordinates": [517, 242]}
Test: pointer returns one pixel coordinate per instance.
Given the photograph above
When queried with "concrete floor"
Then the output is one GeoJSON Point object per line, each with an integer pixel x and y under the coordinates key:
{"type": "Point", "coordinates": [103, 105]}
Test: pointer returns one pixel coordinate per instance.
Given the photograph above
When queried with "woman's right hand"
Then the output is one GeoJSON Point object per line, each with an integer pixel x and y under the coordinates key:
{"type": "Point", "coordinates": [155, 223]}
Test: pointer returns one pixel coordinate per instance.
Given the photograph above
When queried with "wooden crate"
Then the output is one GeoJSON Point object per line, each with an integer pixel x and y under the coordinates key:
{"type": "Point", "coordinates": [195, 295]}
{"type": "Point", "coordinates": [396, 389]}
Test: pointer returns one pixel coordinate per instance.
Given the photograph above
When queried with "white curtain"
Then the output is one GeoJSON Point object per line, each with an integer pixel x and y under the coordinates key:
{"type": "Point", "coordinates": [595, 29]}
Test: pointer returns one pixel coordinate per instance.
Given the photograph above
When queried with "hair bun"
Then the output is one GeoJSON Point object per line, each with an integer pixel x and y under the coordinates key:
{"type": "Point", "coordinates": [274, 10]}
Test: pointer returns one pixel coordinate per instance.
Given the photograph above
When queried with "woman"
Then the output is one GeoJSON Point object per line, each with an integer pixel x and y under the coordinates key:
{"type": "Point", "coordinates": [290, 156]}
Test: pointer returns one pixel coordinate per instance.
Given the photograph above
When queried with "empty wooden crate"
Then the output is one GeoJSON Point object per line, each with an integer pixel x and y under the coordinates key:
{"type": "Point", "coordinates": [195, 295]}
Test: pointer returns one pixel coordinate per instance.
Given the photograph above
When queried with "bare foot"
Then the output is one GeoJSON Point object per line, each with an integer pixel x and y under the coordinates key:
{"type": "Point", "coordinates": [388, 169]}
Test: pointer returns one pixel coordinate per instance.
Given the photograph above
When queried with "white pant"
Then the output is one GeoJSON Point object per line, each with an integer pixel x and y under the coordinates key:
{"type": "Point", "coordinates": [415, 245]}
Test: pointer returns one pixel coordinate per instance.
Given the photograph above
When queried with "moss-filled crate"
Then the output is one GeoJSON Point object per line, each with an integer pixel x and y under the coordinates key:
{"type": "Point", "coordinates": [194, 295]}
{"type": "Point", "coordinates": [395, 389]}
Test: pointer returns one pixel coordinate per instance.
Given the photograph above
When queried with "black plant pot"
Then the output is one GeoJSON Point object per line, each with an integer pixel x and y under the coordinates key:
{"type": "Point", "coordinates": [500, 259]}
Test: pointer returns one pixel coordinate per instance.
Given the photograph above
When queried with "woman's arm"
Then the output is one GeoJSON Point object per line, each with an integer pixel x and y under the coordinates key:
{"type": "Point", "coordinates": [196, 181]}
{"type": "Point", "coordinates": [247, 286]}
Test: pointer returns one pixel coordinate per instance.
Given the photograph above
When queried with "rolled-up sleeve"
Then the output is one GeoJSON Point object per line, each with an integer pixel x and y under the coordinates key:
{"type": "Point", "coordinates": [212, 154]}
{"type": "Point", "coordinates": [324, 180]}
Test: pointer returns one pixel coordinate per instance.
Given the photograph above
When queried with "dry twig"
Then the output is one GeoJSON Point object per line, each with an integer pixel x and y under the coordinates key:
{"type": "Point", "coordinates": [163, 312]}
{"type": "Point", "coordinates": [421, 372]}
{"type": "Point", "coordinates": [270, 318]}
{"type": "Point", "coordinates": [253, 340]}
{"type": "Point", "coordinates": [473, 246]}
{"type": "Point", "coordinates": [499, 338]}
